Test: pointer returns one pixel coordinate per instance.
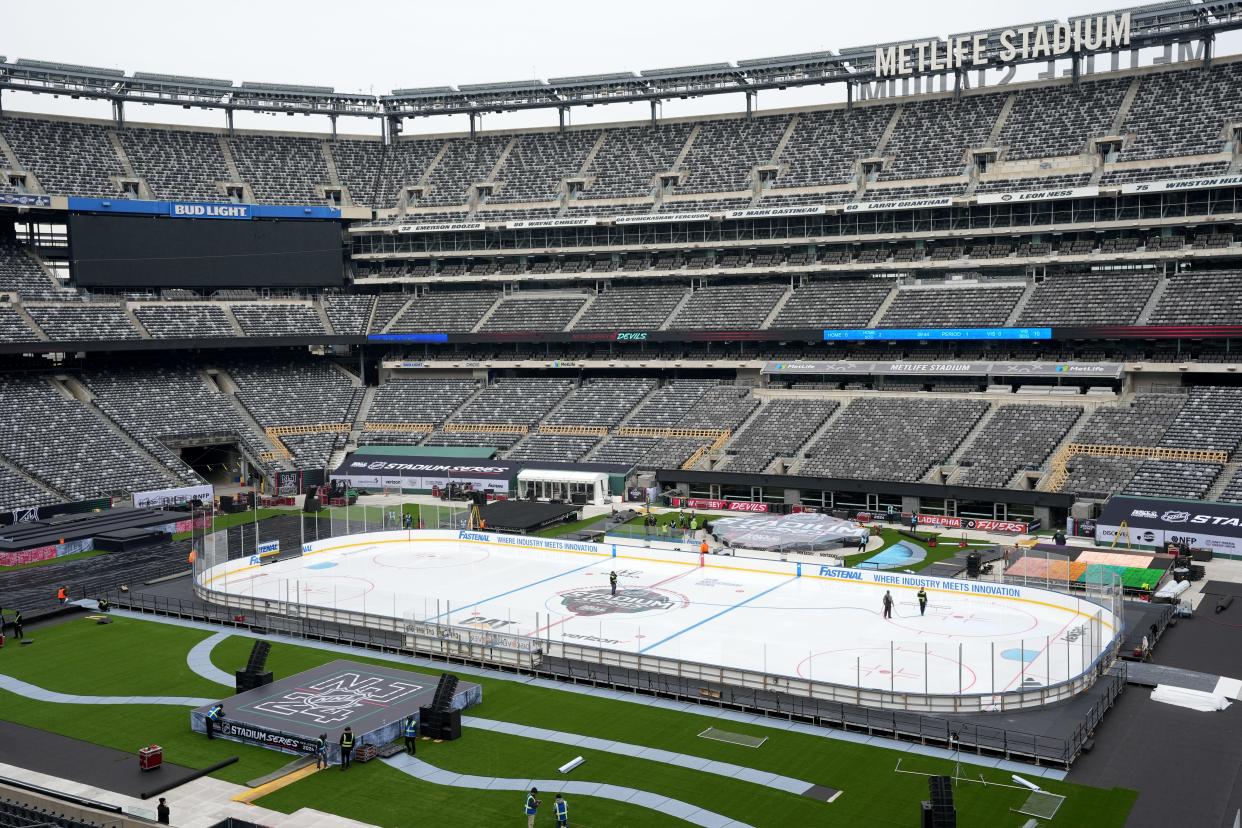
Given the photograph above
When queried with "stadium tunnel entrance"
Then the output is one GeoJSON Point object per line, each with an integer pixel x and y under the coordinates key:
{"type": "Point", "coordinates": [217, 463]}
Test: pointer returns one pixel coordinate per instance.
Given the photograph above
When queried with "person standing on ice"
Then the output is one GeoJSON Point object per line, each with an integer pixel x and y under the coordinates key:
{"type": "Point", "coordinates": [888, 604]}
{"type": "Point", "coordinates": [612, 581]}
{"type": "Point", "coordinates": [922, 601]}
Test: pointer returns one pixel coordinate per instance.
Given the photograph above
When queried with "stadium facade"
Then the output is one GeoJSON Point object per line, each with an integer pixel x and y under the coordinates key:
{"type": "Point", "coordinates": [973, 302]}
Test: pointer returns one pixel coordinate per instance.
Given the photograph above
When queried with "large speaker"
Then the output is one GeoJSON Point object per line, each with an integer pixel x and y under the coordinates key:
{"type": "Point", "coordinates": [973, 562]}
{"type": "Point", "coordinates": [439, 724]}
{"type": "Point", "coordinates": [443, 699]}
{"type": "Point", "coordinates": [226, 503]}
{"type": "Point", "coordinates": [943, 814]}
{"type": "Point", "coordinates": [245, 680]}
{"type": "Point", "coordinates": [258, 656]}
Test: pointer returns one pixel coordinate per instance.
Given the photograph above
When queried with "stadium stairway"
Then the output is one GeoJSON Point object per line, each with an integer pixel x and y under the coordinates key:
{"type": "Point", "coordinates": [777, 308]}
{"type": "Point", "coordinates": [133, 320]}
{"type": "Point", "coordinates": [581, 312]}
{"type": "Point", "coordinates": [1018, 309]}
{"type": "Point", "coordinates": [685, 300]}
{"type": "Point", "coordinates": [483, 319]}
{"type": "Point", "coordinates": [934, 474]}
{"type": "Point", "coordinates": [317, 304]}
{"type": "Point", "coordinates": [29, 320]}
{"type": "Point", "coordinates": [17, 471]}
{"type": "Point", "coordinates": [1153, 301]}
{"type": "Point", "coordinates": [73, 387]}
{"type": "Point", "coordinates": [874, 321]}
{"type": "Point", "coordinates": [1222, 481]}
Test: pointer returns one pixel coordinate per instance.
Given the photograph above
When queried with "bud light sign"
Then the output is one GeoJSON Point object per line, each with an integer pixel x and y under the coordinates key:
{"type": "Point", "coordinates": [181, 209]}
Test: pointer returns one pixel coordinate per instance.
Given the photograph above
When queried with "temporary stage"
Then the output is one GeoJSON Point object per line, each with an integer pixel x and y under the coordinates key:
{"type": "Point", "coordinates": [526, 515]}
{"type": "Point", "coordinates": [287, 715]}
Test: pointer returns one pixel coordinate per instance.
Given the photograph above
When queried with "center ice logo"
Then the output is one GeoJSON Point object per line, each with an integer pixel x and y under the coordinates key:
{"type": "Point", "coordinates": [589, 602]}
{"type": "Point", "coordinates": [338, 698]}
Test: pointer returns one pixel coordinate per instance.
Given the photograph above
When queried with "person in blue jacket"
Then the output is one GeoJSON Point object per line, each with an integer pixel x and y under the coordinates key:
{"type": "Point", "coordinates": [562, 812]}
{"type": "Point", "coordinates": [410, 730]}
{"type": "Point", "coordinates": [532, 807]}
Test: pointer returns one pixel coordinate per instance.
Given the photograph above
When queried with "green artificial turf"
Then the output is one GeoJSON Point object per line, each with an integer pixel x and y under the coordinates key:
{"type": "Point", "coordinates": [141, 657]}
{"type": "Point", "coordinates": [566, 528]}
{"type": "Point", "coordinates": [381, 795]}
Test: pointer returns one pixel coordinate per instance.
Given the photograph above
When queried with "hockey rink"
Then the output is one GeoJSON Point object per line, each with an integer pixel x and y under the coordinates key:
{"type": "Point", "coordinates": [806, 621]}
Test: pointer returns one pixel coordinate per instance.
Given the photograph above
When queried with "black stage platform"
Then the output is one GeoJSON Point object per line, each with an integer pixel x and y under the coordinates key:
{"type": "Point", "coordinates": [85, 762]}
{"type": "Point", "coordinates": [1222, 589]}
{"type": "Point", "coordinates": [17, 537]}
{"type": "Point", "coordinates": [287, 715]}
{"type": "Point", "coordinates": [525, 516]}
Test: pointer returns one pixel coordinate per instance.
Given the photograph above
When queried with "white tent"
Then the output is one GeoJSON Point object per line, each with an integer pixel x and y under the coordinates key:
{"type": "Point", "coordinates": [554, 484]}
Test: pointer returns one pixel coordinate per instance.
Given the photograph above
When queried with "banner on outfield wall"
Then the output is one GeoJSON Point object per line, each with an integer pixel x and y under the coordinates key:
{"type": "Point", "coordinates": [662, 218]}
{"type": "Point", "coordinates": [777, 212]}
{"type": "Point", "coordinates": [1182, 184]}
{"type": "Point", "coordinates": [1156, 522]}
{"type": "Point", "coordinates": [1104, 370]}
{"type": "Point", "coordinates": [441, 227]}
{"type": "Point", "coordinates": [531, 224]}
{"type": "Point", "coordinates": [160, 498]}
{"type": "Point", "coordinates": [375, 471]}
{"type": "Point", "coordinates": [1036, 195]}
{"type": "Point", "coordinates": [183, 209]}
{"type": "Point", "coordinates": [1015, 527]}
{"type": "Point", "coordinates": [897, 204]}
{"type": "Point", "coordinates": [719, 505]}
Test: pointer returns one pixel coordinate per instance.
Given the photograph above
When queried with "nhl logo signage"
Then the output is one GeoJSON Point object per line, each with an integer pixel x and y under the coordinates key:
{"type": "Point", "coordinates": [592, 602]}
{"type": "Point", "coordinates": [337, 699]}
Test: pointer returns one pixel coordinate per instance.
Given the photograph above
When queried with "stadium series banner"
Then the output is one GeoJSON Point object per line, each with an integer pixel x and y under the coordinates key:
{"type": "Point", "coordinates": [375, 471]}
{"type": "Point", "coordinates": [1153, 521]}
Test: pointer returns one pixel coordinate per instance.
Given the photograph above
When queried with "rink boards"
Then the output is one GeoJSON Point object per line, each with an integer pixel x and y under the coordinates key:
{"type": "Point", "coordinates": [820, 623]}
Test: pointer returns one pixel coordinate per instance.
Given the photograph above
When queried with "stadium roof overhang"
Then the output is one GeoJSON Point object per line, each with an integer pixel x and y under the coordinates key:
{"type": "Point", "coordinates": [1153, 25]}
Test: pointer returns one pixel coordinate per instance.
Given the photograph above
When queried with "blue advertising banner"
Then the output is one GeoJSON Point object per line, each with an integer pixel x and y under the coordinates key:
{"type": "Point", "coordinates": [200, 210]}
{"type": "Point", "coordinates": [180, 209]}
{"type": "Point", "coordinates": [886, 334]}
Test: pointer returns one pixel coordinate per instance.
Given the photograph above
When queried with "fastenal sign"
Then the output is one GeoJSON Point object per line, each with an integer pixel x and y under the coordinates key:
{"type": "Point", "coordinates": [1024, 43]}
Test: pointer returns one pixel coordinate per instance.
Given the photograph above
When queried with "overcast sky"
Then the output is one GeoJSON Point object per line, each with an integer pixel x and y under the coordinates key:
{"type": "Point", "coordinates": [376, 47]}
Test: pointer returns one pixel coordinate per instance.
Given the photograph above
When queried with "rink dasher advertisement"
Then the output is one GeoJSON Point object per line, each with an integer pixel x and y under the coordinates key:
{"type": "Point", "coordinates": [1157, 521]}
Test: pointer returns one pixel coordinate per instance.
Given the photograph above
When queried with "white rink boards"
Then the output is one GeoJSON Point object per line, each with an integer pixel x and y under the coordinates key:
{"type": "Point", "coordinates": [783, 619]}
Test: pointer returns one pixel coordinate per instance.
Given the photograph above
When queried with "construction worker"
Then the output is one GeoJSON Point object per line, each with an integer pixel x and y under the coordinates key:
{"type": "Point", "coordinates": [18, 634]}
{"type": "Point", "coordinates": [410, 730]}
{"type": "Point", "coordinates": [214, 716]}
{"type": "Point", "coordinates": [703, 547]}
{"type": "Point", "coordinates": [922, 600]}
{"type": "Point", "coordinates": [321, 751]}
{"type": "Point", "coordinates": [562, 812]}
{"type": "Point", "coordinates": [532, 807]}
{"type": "Point", "coordinates": [612, 581]}
{"type": "Point", "coordinates": [347, 746]}
{"type": "Point", "coordinates": [62, 595]}
{"type": "Point", "coordinates": [888, 604]}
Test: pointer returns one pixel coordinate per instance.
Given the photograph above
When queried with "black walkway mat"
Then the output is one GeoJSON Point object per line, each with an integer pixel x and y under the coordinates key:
{"type": "Point", "coordinates": [1223, 588]}
{"type": "Point", "coordinates": [85, 762]}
